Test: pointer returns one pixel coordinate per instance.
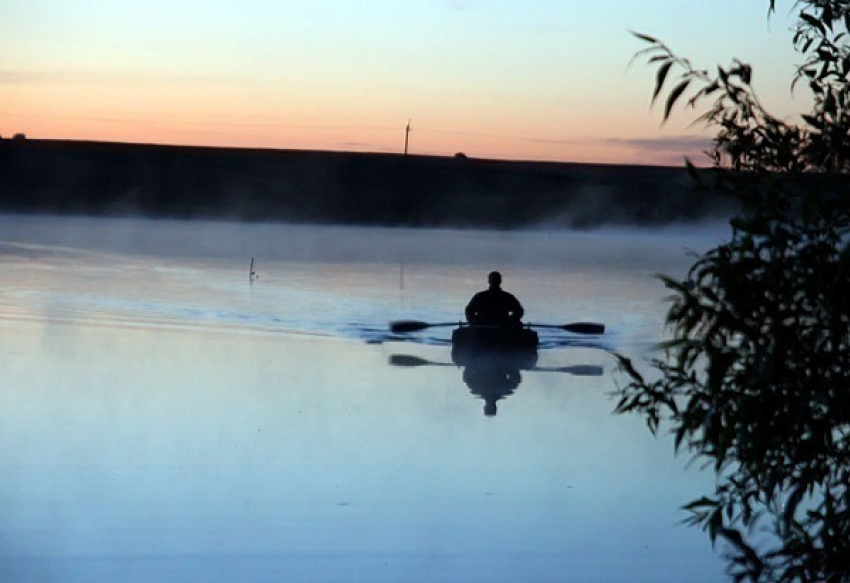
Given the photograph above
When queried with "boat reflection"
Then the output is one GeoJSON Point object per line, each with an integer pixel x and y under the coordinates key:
{"type": "Point", "coordinates": [493, 375]}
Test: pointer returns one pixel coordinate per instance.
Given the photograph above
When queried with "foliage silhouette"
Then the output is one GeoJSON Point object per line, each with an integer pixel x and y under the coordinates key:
{"type": "Point", "coordinates": [754, 378]}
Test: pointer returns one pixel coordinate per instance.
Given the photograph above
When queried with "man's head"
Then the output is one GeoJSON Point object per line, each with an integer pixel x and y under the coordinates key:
{"type": "Point", "coordinates": [494, 279]}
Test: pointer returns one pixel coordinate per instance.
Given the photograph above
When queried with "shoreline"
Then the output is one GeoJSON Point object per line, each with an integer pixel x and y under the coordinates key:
{"type": "Point", "coordinates": [68, 177]}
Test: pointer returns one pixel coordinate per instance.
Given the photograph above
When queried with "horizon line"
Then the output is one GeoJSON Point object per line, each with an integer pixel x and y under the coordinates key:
{"type": "Point", "coordinates": [401, 154]}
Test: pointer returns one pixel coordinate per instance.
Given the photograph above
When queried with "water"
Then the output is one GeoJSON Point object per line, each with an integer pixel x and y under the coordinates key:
{"type": "Point", "coordinates": [164, 418]}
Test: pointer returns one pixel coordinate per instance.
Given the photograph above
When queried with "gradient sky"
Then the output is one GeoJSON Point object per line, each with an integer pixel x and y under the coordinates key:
{"type": "Point", "coordinates": [529, 79]}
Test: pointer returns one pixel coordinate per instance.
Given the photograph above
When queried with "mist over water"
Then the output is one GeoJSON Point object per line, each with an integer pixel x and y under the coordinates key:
{"type": "Point", "coordinates": [165, 417]}
{"type": "Point", "coordinates": [231, 240]}
{"type": "Point", "coordinates": [195, 272]}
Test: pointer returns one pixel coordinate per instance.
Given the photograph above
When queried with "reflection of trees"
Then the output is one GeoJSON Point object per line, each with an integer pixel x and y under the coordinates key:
{"type": "Point", "coordinates": [756, 376]}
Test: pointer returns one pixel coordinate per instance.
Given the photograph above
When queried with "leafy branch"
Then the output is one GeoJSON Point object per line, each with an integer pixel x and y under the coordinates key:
{"type": "Point", "coordinates": [754, 377]}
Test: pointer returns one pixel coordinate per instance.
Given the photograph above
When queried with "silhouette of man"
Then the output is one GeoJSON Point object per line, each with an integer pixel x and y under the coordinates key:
{"type": "Point", "coordinates": [494, 306]}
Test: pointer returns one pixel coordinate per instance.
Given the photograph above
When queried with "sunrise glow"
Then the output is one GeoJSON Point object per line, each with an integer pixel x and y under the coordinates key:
{"type": "Point", "coordinates": [538, 80]}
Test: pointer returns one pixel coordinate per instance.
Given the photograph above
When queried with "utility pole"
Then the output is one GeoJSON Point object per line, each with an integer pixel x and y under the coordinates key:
{"type": "Point", "coordinates": [406, 136]}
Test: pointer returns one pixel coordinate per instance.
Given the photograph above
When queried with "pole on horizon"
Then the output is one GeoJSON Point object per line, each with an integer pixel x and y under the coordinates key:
{"type": "Point", "coordinates": [406, 136]}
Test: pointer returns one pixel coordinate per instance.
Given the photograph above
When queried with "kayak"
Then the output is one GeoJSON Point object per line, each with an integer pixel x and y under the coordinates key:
{"type": "Point", "coordinates": [514, 347]}
{"type": "Point", "coordinates": [494, 337]}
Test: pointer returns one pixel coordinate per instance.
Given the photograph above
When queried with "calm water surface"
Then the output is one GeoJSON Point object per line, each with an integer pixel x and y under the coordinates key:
{"type": "Point", "coordinates": [164, 419]}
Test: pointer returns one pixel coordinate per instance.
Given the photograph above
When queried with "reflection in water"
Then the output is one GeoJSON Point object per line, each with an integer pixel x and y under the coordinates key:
{"type": "Point", "coordinates": [492, 374]}
{"type": "Point", "coordinates": [163, 419]}
{"type": "Point", "coordinates": [491, 382]}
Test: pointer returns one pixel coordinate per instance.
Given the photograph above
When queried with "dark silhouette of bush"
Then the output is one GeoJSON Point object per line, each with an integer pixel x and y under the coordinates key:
{"type": "Point", "coordinates": [755, 378]}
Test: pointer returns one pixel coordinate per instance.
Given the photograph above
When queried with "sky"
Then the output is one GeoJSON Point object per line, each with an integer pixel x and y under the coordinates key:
{"type": "Point", "coordinates": [504, 79]}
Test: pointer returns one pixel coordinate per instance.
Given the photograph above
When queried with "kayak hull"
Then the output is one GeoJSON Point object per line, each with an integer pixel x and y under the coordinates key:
{"type": "Point", "coordinates": [495, 337]}
{"type": "Point", "coordinates": [511, 346]}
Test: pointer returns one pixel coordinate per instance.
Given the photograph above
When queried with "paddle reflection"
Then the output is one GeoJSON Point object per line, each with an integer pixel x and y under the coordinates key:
{"type": "Point", "coordinates": [494, 375]}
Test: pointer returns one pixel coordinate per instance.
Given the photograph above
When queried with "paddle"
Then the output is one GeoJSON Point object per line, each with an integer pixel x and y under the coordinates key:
{"type": "Point", "coordinates": [414, 325]}
{"type": "Point", "coordinates": [584, 370]}
{"type": "Point", "coordinates": [579, 370]}
{"type": "Point", "coordinates": [409, 360]}
{"type": "Point", "coordinates": [576, 327]}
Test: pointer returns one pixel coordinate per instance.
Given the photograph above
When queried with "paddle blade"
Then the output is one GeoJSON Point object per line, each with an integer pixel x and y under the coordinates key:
{"type": "Point", "coordinates": [414, 325]}
{"type": "Point", "coordinates": [407, 326]}
{"type": "Point", "coordinates": [583, 370]}
{"type": "Point", "coordinates": [407, 360]}
{"type": "Point", "coordinates": [585, 328]}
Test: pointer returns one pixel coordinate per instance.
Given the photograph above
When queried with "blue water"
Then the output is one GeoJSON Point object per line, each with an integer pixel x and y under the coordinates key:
{"type": "Point", "coordinates": [165, 417]}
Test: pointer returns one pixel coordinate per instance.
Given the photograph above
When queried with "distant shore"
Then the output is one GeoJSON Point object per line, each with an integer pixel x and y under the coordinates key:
{"type": "Point", "coordinates": [302, 186]}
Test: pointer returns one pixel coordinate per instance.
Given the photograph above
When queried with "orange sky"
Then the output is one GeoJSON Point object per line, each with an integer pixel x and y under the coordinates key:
{"type": "Point", "coordinates": [547, 81]}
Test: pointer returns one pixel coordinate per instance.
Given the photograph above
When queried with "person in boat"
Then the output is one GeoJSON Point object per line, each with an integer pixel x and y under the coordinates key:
{"type": "Point", "coordinates": [494, 306]}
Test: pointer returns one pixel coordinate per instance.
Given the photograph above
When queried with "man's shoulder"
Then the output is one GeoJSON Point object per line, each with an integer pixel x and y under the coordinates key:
{"type": "Point", "coordinates": [479, 295]}
{"type": "Point", "coordinates": [510, 296]}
